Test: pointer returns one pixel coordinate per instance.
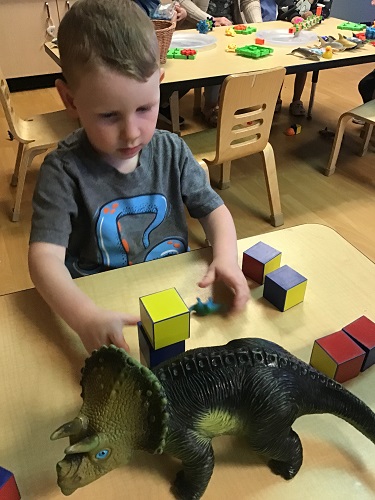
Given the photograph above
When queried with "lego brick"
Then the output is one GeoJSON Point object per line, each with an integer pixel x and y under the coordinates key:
{"type": "Point", "coordinates": [370, 33]}
{"type": "Point", "coordinates": [242, 29]}
{"type": "Point", "coordinates": [151, 357]}
{"type": "Point", "coordinates": [338, 356]}
{"type": "Point", "coordinates": [284, 288]}
{"type": "Point", "coordinates": [8, 486]}
{"type": "Point", "coordinates": [253, 51]}
{"type": "Point", "coordinates": [165, 318]}
{"type": "Point", "coordinates": [351, 26]}
{"type": "Point", "coordinates": [259, 41]}
{"type": "Point", "coordinates": [259, 260]}
{"type": "Point", "coordinates": [362, 331]}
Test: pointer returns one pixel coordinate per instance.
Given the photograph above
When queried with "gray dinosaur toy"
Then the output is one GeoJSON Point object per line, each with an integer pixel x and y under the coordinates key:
{"type": "Point", "coordinates": [249, 387]}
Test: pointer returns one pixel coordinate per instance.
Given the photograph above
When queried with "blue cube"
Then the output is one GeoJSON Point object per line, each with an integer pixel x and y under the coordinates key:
{"type": "Point", "coordinates": [284, 288]}
{"type": "Point", "coordinates": [151, 357]}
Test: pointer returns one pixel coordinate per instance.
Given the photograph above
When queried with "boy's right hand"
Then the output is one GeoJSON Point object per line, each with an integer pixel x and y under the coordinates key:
{"type": "Point", "coordinates": [105, 328]}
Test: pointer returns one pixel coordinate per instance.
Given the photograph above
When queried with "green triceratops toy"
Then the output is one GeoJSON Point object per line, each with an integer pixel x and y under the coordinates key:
{"type": "Point", "coordinates": [249, 387]}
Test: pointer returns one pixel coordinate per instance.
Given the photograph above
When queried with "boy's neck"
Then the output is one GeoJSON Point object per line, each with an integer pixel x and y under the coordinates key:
{"type": "Point", "coordinates": [123, 166]}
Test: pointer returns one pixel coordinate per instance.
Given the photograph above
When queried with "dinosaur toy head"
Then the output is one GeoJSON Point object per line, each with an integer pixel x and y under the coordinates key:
{"type": "Point", "coordinates": [124, 409]}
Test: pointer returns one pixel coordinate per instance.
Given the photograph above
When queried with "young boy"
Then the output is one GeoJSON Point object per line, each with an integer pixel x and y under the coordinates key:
{"type": "Point", "coordinates": [113, 193]}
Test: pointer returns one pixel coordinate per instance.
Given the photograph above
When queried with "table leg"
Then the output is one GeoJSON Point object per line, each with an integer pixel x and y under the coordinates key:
{"type": "Point", "coordinates": [175, 112]}
{"type": "Point", "coordinates": [314, 81]}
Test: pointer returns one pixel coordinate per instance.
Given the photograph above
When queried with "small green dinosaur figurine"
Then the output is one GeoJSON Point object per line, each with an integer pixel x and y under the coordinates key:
{"type": "Point", "coordinates": [249, 387]}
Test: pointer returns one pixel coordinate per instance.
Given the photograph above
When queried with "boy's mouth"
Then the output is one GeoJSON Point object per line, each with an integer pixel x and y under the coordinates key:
{"type": "Point", "coordinates": [129, 152]}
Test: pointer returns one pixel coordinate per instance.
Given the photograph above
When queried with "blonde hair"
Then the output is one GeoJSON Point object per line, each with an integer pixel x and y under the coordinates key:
{"type": "Point", "coordinates": [116, 34]}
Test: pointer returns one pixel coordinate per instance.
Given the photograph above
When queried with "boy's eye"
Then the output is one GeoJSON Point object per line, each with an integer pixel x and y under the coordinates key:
{"type": "Point", "coordinates": [109, 116]}
{"type": "Point", "coordinates": [144, 109]}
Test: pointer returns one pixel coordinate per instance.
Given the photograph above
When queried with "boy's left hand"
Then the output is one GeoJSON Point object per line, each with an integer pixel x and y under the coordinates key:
{"type": "Point", "coordinates": [233, 277]}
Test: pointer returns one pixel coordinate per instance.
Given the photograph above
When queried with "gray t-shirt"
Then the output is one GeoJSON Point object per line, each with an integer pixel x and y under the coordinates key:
{"type": "Point", "coordinates": [107, 219]}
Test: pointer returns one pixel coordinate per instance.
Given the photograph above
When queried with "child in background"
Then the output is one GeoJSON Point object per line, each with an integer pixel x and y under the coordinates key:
{"type": "Point", "coordinates": [149, 7]}
{"type": "Point", "coordinates": [366, 88]}
{"type": "Point", "coordinates": [113, 193]}
{"type": "Point", "coordinates": [224, 13]}
{"type": "Point", "coordinates": [288, 10]}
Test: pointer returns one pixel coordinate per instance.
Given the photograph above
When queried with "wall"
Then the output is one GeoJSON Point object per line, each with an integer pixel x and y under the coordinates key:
{"type": "Point", "coordinates": [357, 11]}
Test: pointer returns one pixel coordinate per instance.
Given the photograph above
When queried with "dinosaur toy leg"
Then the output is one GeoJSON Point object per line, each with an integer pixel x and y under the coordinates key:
{"type": "Point", "coordinates": [197, 458]}
{"type": "Point", "coordinates": [284, 454]}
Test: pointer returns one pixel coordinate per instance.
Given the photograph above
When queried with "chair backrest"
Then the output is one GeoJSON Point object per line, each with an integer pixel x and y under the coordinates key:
{"type": "Point", "coordinates": [15, 123]}
{"type": "Point", "coordinates": [246, 109]}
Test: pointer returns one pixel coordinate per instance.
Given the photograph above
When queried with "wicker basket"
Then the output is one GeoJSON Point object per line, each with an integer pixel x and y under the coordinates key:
{"type": "Point", "coordinates": [164, 31]}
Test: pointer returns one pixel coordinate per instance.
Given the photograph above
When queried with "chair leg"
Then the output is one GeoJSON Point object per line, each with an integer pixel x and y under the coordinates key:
{"type": "Point", "coordinates": [331, 167]}
{"type": "Point", "coordinates": [269, 166]}
{"type": "Point", "coordinates": [14, 180]}
{"type": "Point", "coordinates": [197, 101]}
{"type": "Point", "coordinates": [175, 112]}
{"type": "Point", "coordinates": [27, 158]}
{"type": "Point", "coordinates": [367, 133]}
{"type": "Point", "coordinates": [224, 182]}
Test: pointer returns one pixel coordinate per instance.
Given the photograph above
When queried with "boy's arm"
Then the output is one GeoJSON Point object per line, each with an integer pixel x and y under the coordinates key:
{"type": "Point", "coordinates": [220, 231]}
{"type": "Point", "coordinates": [251, 10]}
{"type": "Point", "coordinates": [51, 278]}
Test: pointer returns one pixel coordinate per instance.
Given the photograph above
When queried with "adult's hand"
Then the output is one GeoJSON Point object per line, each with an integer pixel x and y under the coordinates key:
{"type": "Point", "coordinates": [222, 21]}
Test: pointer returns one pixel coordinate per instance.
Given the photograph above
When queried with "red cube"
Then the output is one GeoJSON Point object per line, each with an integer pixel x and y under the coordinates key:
{"type": "Point", "coordinates": [259, 41]}
{"type": "Point", "coordinates": [338, 356]}
{"type": "Point", "coordinates": [8, 486]}
{"type": "Point", "coordinates": [362, 331]}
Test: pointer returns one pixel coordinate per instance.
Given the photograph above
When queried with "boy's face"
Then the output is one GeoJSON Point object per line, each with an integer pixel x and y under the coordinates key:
{"type": "Point", "coordinates": [118, 113]}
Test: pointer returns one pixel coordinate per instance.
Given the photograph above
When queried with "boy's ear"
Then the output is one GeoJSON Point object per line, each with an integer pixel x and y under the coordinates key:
{"type": "Point", "coordinates": [162, 74]}
{"type": "Point", "coordinates": [66, 97]}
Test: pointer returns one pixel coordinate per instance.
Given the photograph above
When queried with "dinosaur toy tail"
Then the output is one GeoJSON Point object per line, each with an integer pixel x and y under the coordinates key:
{"type": "Point", "coordinates": [338, 401]}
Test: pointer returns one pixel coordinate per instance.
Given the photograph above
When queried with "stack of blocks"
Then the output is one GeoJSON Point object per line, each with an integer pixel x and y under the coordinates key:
{"type": "Point", "coordinates": [283, 286]}
{"type": "Point", "coordinates": [164, 327]}
{"type": "Point", "coordinates": [8, 486]}
{"type": "Point", "coordinates": [342, 355]}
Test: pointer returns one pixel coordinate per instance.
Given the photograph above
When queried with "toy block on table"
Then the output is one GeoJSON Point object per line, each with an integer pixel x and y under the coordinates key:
{"type": "Point", "coordinates": [165, 318]}
{"type": "Point", "coordinates": [8, 486]}
{"type": "Point", "coordinates": [253, 51]}
{"type": "Point", "coordinates": [351, 26]}
{"type": "Point", "coordinates": [338, 356]}
{"type": "Point", "coordinates": [284, 288]}
{"type": "Point", "coordinates": [370, 33]}
{"type": "Point", "coordinates": [362, 331]}
{"type": "Point", "coordinates": [181, 53]}
{"type": "Point", "coordinates": [259, 41]}
{"type": "Point", "coordinates": [259, 260]}
{"type": "Point", "coordinates": [242, 29]}
{"type": "Point", "coordinates": [151, 357]}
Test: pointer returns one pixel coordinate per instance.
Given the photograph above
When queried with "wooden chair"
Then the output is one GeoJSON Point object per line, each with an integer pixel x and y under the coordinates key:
{"type": "Point", "coordinates": [34, 135]}
{"type": "Point", "coordinates": [365, 112]}
{"type": "Point", "coordinates": [246, 108]}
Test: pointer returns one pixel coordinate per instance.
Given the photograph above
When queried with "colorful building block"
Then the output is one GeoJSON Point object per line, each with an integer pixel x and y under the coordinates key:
{"type": "Point", "coordinates": [253, 51]}
{"type": "Point", "coordinates": [242, 29]}
{"type": "Point", "coordinates": [370, 33]}
{"type": "Point", "coordinates": [259, 260]}
{"type": "Point", "coordinates": [338, 356]}
{"type": "Point", "coordinates": [8, 486]}
{"type": "Point", "coordinates": [284, 288]}
{"type": "Point", "coordinates": [351, 26]}
{"type": "Point", "coordinates": [181, 53]}
{"type": "Point", "coordinates": [151, 357]}
{"type": "Point", "coordinates": [165, 318]}
{"type": "Point", "coordinates": [259, 41]}
{"type": "Point", "coordinates": [362, 331]}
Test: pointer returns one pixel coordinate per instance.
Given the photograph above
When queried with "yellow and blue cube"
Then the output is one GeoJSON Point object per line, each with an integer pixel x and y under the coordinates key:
{"type": "Point", "coordinates": [165, 318]}
{"type": "Point", "coordinates": [284, 288]}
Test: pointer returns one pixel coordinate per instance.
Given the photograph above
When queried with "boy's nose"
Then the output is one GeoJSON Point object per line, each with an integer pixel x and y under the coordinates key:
{"type": "Point", "coordinates": [129, 132]}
